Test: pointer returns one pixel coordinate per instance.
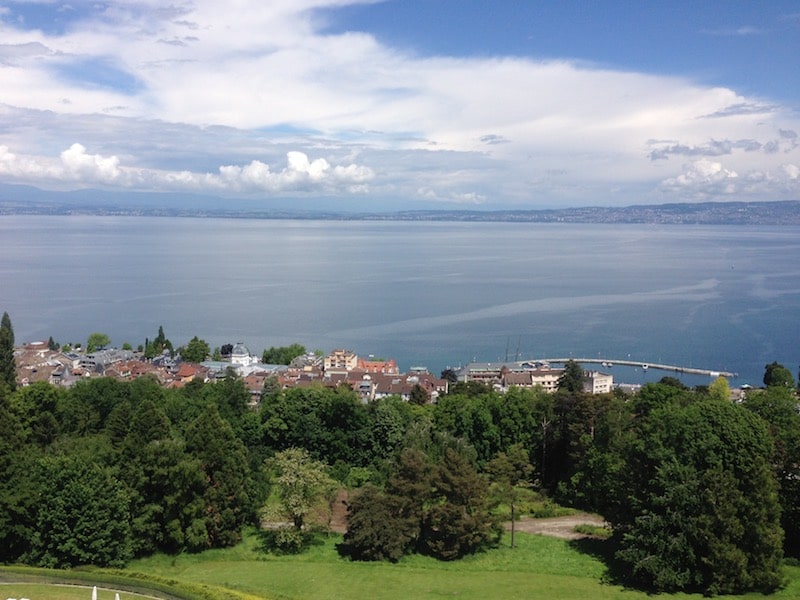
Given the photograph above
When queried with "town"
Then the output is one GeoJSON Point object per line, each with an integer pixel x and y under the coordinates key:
{"type": "Point", "coordinates": [371, 378]}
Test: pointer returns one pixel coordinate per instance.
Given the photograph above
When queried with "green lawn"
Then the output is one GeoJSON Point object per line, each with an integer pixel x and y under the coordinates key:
{"type": "Point", "coordinates": [540, 567]}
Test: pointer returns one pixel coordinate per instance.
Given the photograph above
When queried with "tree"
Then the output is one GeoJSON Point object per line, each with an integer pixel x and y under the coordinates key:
{"type": "Point", "coordinates": [449, 375]}
{"type": "Point", "coordinates": [228, 501]}
{"type": "Point", "coordinates": [282, 355]}
{"type": "Point", "coordinates": [697, 507]}
{"type": "Point", "coordinates": [418, 395]}
{"type": "Point", "coordinates": [158, 345]}
{"type": "Point", "coordinates": [166, 486]}
{"type": "Point", "coordinates": [386, 525]}
{"type": "Point", "coordinates": [572, 378]}
{"type": "Point", "coordinates": [8, 368]}
{"type": "Point", "coordinates": [780, 409]}
{"type": "Point", "coordinates": [196, 350]}
{"type": "Point", "coordinates": [82, 516]}
{"type": "Point", "coordinates": [776, 375]}
{"type": "Point", "coordinates": [720, 389]}
{"type": "Point", "coordinates": [97, 341]}
{"type": "Point", "coordinates": [457, 522]}
{"type": "Point", "coordinates": [376, 529]}
{"type": "Point", "coordinates": [508, 472]}
{"type": "Point", "coordinates": [301, 483]}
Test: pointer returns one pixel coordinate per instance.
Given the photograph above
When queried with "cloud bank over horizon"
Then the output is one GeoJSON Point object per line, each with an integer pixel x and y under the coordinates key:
{"type": "Point", "coordinates": [264, 100]}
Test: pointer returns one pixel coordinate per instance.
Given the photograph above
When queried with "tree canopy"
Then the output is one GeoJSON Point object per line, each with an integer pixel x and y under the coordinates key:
{"type": "Point", "coordinates": [97, 341]}
{"type": "Point", "coordinates": [282, 355]}
{"type": "Point", "coordinates": [698, 489]}
{"type": "Point", "coordinates": [696, 507]}
{"type": "Point", "coordinates": [776, 375]}
{"type": "Point", "coordinates": [196, 350]}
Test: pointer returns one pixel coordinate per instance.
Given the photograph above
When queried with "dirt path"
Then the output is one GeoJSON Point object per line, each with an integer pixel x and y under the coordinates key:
{"type": "Point", "coordinates": [560, 527]}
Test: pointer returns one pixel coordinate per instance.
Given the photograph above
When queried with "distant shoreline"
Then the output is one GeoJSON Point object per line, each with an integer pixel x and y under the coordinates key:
{"type": "Point", "coordinates": [783, 213]}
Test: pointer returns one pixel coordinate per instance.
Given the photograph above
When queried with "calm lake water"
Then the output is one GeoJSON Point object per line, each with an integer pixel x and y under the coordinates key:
{"type": "Point", "coordinates": [431, 294]}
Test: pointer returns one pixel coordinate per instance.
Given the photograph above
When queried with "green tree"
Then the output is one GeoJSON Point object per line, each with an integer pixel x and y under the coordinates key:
{"type": "Point", "coordinates": [17, 492]}
{"type": "Point", "coordinates": [418, 395]}
{"type": "Point", "coordinates": [510, 471]}
{"type": "Point", "coordinates": [779, 407]}
{"type": "Point", "coordinates": [166, 486]}
{"type": "Point", "coordinates": [386, 524]}
{"type": "Point", "coordinates": [82, 516]}
{"type": "Point", "coordinates": [376, 528]}
{"type": "Point", "coordinates": [158, 345]}
{"type": "Point", "coordinates": [97, 341]}
{"type": "Point", "coordinates": [282, 355]}
{"type": "Point", "coordinates": [301, 483]}
{"type": "Point", "coordinates": [720, 389]}
{"type": "Point", "coordinates": [697, 506]}
{"type": "Point", "coordinates": [572, 378]}
{"type": "Point", "coordinates": [331, 424]}
{"type": "Point", "coordinates": [776, 375]}
{"type": "Point", "coordinates": [228, 500]}
{"type": "Point", "coordinates": [457, 522]}
{"type": "Point", "coordinates": [89, 402]}
{"type": "Point", "coordinates": [196, 350]}
{"type": "Point", "coordinates": [8, 368]}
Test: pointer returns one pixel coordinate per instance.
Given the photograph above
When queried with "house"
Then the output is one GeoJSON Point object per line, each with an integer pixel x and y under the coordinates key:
{"type": "Point", "coordinates": [387, 367]}
{"type": "Point", "coordinates": [340, 361]}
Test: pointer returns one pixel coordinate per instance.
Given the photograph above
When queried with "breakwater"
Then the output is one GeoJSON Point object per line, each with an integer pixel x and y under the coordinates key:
{"type": "Point", "coordinates": [609, 362]}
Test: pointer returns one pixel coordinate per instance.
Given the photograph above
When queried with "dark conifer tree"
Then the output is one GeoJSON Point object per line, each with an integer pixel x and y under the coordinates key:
{"type": "Point", "coordinates": [8, 369]}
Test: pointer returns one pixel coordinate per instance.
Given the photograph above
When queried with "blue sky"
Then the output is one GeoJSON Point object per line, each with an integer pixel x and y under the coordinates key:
{"type": "Point", "coordinates": [414, 103]}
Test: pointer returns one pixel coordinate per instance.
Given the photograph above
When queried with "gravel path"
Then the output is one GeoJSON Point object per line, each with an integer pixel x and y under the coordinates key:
{"type": "Point", "coordinates": [560, 527]}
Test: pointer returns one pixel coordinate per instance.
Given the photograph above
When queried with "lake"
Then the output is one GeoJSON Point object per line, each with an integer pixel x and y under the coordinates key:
{"type": "Point", "coordinates": [425, 293]}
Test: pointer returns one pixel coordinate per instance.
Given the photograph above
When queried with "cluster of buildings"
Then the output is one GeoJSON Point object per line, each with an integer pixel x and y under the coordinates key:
{"type": "Point", "coordinates": [502, 376]}
{"type": "Point", "coordinates": [370, 378]}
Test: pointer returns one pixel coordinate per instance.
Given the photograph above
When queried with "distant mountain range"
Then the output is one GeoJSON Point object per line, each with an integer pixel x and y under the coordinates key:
{"type": "Point", "coordinates": [26, 200]}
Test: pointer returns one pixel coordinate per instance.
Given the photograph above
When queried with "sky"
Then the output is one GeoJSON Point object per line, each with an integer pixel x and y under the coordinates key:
{"type": "Point", "coordinates": [384, 105]}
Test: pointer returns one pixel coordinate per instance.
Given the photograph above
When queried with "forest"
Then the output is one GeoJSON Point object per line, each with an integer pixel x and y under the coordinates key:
{"type": "Point", "coordinates": [702, 494]}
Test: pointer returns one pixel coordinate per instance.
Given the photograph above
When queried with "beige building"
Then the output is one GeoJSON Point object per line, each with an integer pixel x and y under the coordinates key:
{"type": "Point", "coordinates": [340, 361]}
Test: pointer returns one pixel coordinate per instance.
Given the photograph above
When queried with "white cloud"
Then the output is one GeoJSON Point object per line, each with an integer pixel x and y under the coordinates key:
{"type": "Point", "coordinates": [75, 165]}
{"type": "Point", "coordinates": [706, 179]}
{"type": "Point", "coordinates": [81, 166]}
{"type": "Point", "coordinates": [205, 84]}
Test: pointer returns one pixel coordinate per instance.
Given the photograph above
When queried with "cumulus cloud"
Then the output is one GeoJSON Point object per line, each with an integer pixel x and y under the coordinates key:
{"type": "Point", "coordinates": [705, 179]}
{"type": "Point", "coordinates": [451, 197]}
{"type": "Point", "coordinates": [76, 165]}
{"type": "Point", "coordinates": [81, 166]}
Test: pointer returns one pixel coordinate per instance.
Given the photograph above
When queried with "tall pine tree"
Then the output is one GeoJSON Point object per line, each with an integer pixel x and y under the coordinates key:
{"type": "Point", "coordinates": [8, 369]}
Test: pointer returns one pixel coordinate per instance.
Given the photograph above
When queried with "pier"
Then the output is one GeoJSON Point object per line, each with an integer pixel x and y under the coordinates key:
{"type": "Point", "coordinates": [607, 362]}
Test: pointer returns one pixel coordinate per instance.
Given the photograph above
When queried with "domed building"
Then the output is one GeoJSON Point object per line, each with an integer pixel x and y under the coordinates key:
{"type": "Point", "coordinates": [240, 356]}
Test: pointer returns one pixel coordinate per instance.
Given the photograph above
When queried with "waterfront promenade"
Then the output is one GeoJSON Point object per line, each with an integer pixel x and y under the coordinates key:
{"type": "Point", "coordinates": [608, 362]}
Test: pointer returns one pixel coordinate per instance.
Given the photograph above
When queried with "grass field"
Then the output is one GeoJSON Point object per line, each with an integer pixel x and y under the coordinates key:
{"type": "Point", "coordinates": [540, 567]}
{"type": "Point", "coordinates": [43, 591]}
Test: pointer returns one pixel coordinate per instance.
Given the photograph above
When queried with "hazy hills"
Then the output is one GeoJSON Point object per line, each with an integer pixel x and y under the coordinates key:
{"type": "Point", "coordinates": [15, 199]}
